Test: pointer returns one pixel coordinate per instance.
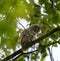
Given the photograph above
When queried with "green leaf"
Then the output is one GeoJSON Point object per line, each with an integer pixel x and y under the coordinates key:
{"type": "Point", "coordinates": [55, 45]}
{"type": "Point", "coordinates": [58, 6]}
{"type": "Point", "coordinates": [21, 58]}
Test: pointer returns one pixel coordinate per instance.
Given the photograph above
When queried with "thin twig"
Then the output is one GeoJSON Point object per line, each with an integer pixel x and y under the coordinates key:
{"type": "Point", "coordinates": [50, 53]}
{"type": "Point", "coordinates": [23, 54]}
{"type": "Point", "coordinates": [21, 24]}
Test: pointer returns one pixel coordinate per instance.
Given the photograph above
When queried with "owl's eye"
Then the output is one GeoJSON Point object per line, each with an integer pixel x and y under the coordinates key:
{"type": "Point", "coordinates": [36, 29]}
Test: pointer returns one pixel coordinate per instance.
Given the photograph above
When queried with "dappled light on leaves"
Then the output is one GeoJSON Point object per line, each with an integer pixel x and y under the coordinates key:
{"type": "Point", "coordinates": [18, 15]}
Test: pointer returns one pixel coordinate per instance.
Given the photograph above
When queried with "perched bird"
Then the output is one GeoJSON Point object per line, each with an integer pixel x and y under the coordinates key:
{"type": "Point", "coordinates": [28, 35]}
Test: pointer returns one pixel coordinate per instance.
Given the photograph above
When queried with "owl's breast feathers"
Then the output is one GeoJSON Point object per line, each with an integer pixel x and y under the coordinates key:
{"type": "Point", "coordinates": [28, 35]}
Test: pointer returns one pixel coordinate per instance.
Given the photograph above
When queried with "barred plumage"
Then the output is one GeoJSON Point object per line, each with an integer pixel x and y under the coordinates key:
{"type": "Point", "coordinates": [28, 35]}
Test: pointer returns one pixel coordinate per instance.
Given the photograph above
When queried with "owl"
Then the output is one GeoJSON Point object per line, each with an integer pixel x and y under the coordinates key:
{"type": "Point", "coordinates": [28, 35]}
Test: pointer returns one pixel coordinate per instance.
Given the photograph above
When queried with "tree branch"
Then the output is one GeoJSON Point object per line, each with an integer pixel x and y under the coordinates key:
{"type": "Point", "coordinates": [20, 52]}
{"type": "Point", "coordinates": [43, 37]}
{"type": "Point", "coordinates": [40, 46]}
{"type": "Point", "coordinates": [50, 53]}
{"type": "Point", "coordinates": [12, 55]}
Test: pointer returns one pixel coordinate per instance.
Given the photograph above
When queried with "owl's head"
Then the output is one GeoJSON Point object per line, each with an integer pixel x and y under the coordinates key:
{"type": "Point", "coordinates": [35, 28]}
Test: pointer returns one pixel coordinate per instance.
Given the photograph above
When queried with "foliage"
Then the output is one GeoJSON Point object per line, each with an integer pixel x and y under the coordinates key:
{"type": "Point", "coordinates": [44, 13]}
